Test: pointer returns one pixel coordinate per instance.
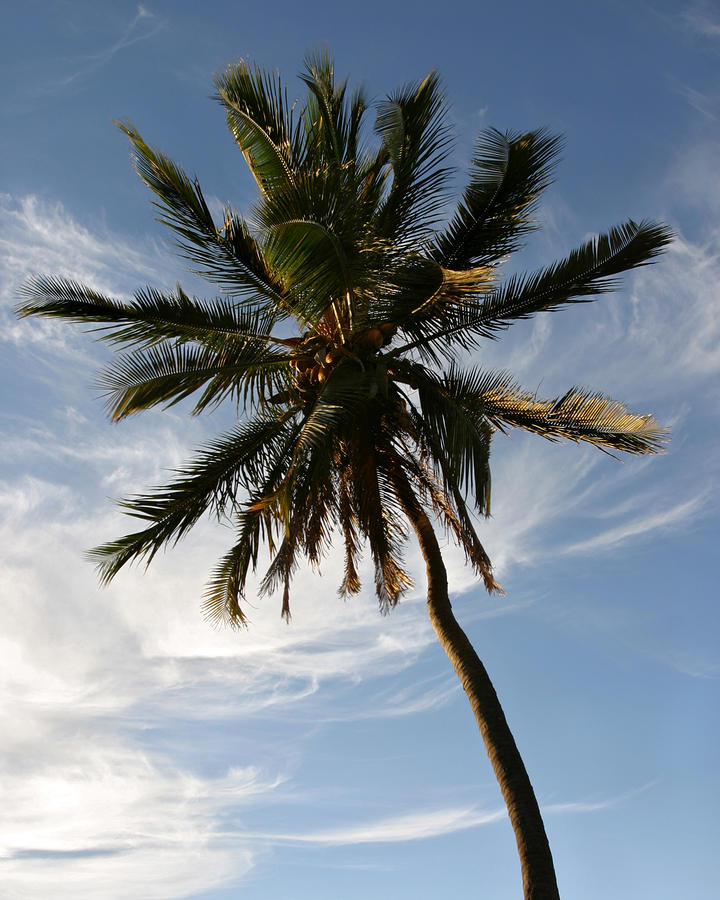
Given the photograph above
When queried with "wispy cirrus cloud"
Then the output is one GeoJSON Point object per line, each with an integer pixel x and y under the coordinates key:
{"type": "Point", "coordinates": [41, 236]}
{"type": "Point", "coordinates": [413, 826]}
{"type": "Point", "coordinates": [643, 525]}
{"type": "Point", "coordinates": [423, 824]}
{"type": "Point", "coordinates": [703, 102]}
{"type": "Point", "coordinates": [74, 70]}
{"type": "Point", "coordinates": [590, 806]}
{"type": "Point", "coordinates": [109, 819]}
{"type": "Point", "coordinates": [701, 18]}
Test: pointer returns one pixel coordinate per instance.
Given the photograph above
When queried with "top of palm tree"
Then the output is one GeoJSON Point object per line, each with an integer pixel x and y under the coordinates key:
{"type": "Point", "coordinates": [347, 305]}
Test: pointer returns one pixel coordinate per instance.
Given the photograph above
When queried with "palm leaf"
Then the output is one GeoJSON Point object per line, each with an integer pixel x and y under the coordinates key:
{"type": "Point", "coordinates": [577, 415]}
{"type": "Point", "coordinates": [448, 506]}
{"type": "Point", "coordinates": [587, 272]}
{"type": "Point", "coordinates": [228, 255]}
{"type": "Point", "coordinates": [508, 173]}
{"type": "Point", "coordinates": [411, 125]}
{"type": "Point", "coordinates": [454, 435]}
{"type": "Point", "coordinates": [260, 118]}
{"type": "Point", "coordinates": [153, 316]}
{"type": "Point", "coordinates": [253, 452]}
{"type": "Point", "coordinates": [324, 112]}
{"type": "Point", "coordinates": [313, 262]}
{"type": "Point", "coordinates": [169, 372]}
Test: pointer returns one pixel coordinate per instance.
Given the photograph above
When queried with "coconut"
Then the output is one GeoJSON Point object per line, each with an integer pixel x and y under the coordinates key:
{"type": "Point", "coordinates": [372, 339]}
{"type": "Point", "coordinates": [332, 356]}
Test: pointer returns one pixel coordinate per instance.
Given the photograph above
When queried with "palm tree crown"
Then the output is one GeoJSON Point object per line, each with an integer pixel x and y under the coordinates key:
{"type": "Point", "coordinates": [346, 308]}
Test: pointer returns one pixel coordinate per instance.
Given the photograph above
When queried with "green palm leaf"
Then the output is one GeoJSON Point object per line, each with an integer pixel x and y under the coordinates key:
{"type": "Point", "coordinates": [411, 125]}
{"type": "Point", "coordinates": [169, 372]}
{"type": "Point", "coordinates": [260, 118]}
{"type": "Point", "coordinates": [229, 255]}
{"type": "Point", "coordinates": [508, 173]}
{"type": "Point", "coordinates": [153, 316]}
{"type": "Point", "coordinates": [211, 482]}
{"type": "Point", "coordinates": [455, 435]}
{"type": "Point", "coordinates": [587, 272]}
{"type": "Point", "coordinates": [324, 112]}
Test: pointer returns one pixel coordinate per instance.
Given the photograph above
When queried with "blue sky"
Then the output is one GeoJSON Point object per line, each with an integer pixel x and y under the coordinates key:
{"type": "Point", "coordinates": [146, 754]}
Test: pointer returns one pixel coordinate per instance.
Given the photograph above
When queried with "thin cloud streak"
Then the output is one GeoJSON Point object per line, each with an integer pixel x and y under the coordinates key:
{"type": "Point", "coordinates": [92, 62]}
{"type": "Point", "coordinates": [640, 527]}
{"type": "Point", "coordinates": [700, 102]}
{"type": "Point", "coordinates": [589, 806]}
{"type": "Point", "coordinates": [699, 20]}
{"type": "Point", "coordinates": [424, 824]}
{"type": "Point", "coordinates": [410, 827]}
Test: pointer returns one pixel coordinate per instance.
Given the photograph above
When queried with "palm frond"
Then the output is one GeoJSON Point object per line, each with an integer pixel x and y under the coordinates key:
{"type": "Point", "coordinates": [508, 173]}
{"type": "Point", "coordinates": [52, 296]}
{"type": "Point", "coordinates": [312, 506]}
{"type": "Point", "coordinates": [454, 435]}
{"type": "Point", "coordinates": [212, 482]}
{"type": "Point", "coordinates": [228, 255]}
{"type": "Point", "coordinates": [169, 372]}
{"type": "Point", "coordinates": [313, 262]}
{"type": "Point", "coordinates": [255, 453]}
{"type": "Point", "coordinates": [587, 272]}
{"type": "Point", "coordinates": [349, 525]}
{"type": "Point", "coordinates": [377, 509]}
{"type": "Point", "coordinates": [577, 415]}
{"type": "Point", "coordinates": [447, 505]}
{"type": "Point", "coordinates": [412, 127]}
{"type": "Point", "coordinates": [224, 592]}
{"type": "Point", "coordinates": [414, 289]}
{"type": "Point", "coordinates": [153, 315]}
{"type": "Point", "coordinates": [260, 118]}
{"type": "Point", "coordinates": [324, 113]}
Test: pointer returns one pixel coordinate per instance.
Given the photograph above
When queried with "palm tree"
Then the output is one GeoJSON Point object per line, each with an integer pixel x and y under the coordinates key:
{"type": "Point", "coordinates": [347, 308]}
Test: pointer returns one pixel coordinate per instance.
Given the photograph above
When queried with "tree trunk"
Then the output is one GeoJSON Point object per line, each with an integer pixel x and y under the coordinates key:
{"type": "Point", "coordinates": [538, 872]}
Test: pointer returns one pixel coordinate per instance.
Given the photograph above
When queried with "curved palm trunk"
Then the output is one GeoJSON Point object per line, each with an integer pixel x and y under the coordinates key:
{"type": "Point", "coordinates": [538, 872]}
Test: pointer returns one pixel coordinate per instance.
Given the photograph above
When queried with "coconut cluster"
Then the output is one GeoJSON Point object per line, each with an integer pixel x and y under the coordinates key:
{"type": "Point", "coordinates": [316, 355]}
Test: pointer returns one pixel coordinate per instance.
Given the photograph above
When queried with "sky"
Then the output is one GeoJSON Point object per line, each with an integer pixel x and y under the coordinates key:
{"type": "Point", "coordinates": [146, 753]}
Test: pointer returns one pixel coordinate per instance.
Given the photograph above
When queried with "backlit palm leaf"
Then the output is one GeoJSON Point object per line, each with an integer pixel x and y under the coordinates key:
{"type": "Point", "coordinates": [508, 173]}
{"type": "Point", "coordinates": [589, 271]}
{"type": "Point", "coordinates": [169, 372]}
{"type": "Point", "coordinates": [260, 118]}
{"type": "Point", "coordinates": [152, 316]}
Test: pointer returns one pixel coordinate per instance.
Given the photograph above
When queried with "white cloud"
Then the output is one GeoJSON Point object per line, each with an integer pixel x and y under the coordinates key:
{"type": "Point", "coordinates": [675, 325]}
{"type": "Point", "coordinates": [143, 26]}
{"type": "Point", "coordinates": [409, 827]}
{"type": "Point", "coordinates": [104, 819]}
{"type": "Point", "coordinates": [423, 824]}
{"type": "Point", "coordinates": [42, 237]}
{"type": "Point", "coordinates": [643, 525]}
{"type": "Point", "coordinates": [702, 19]}
{"type": "Point", "coordinates": [587, 806]}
